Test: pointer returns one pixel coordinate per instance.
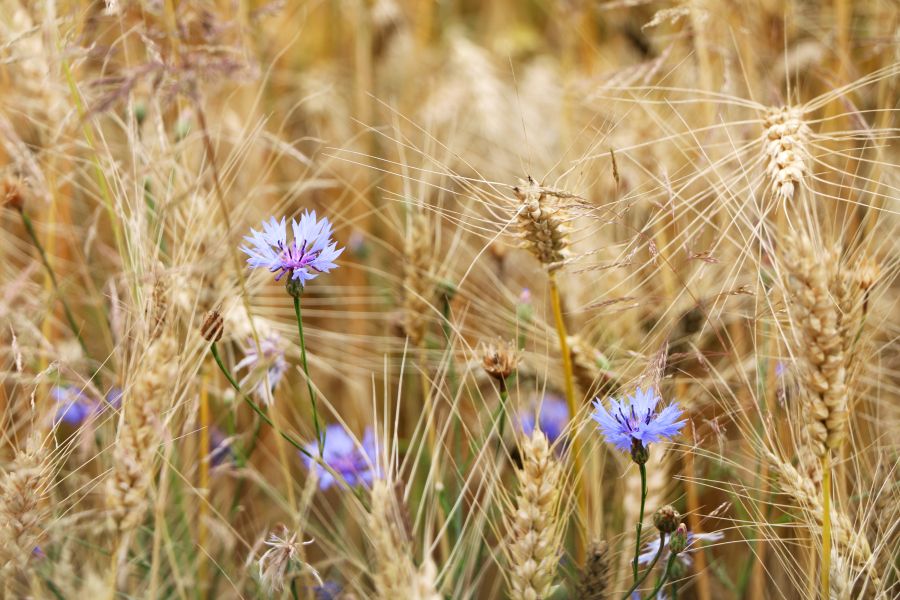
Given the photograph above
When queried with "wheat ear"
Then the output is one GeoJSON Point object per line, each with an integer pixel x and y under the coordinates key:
{"type": "Point", "coordinates": [396, 575]}
{"type": "Point", "coordinates": [533, 546]}
{"type": "Point", "coordinates": [786, 151]}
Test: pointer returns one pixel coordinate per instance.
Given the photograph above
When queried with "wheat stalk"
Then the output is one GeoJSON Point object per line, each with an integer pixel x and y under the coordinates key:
{"type": "Point", "coordinates": [825, 307]}
{"type": "Point", "coordinates": [846, 535]}
{"type": "Point", "coordinates": [534, 527]}
{"type": "Point", "coordinates": [396, 575]}
{"type": "Point", "coordinates": [594, 581]}
{"type": "Point", "coordinates": [417, 277]}
{"type": "Point", "coordinates": [22, 515]}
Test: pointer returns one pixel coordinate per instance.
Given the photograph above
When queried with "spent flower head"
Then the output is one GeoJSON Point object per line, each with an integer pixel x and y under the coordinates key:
{"type": "Point", "coordinates": [355, 463]}
{"type": "Point", "coordinates": [312, 251]}
{"type": "Point", "coordinates": [499, 359]}
{"type": "Point", "coordinates": [631, 426]}
{"type": "Point", "coordinates": [263, 363]}
{"type": "Point", "coordinates": [285, 550]}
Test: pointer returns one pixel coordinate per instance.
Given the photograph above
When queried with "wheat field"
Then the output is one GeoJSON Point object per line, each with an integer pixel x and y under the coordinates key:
{"type": "Point", "coordinates": [398, 299]}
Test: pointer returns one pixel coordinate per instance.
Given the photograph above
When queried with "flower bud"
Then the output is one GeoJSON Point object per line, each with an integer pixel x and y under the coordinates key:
{"type": "Point", "coordinates": [213, 326]}
{"type": "Point", "coordinates": [639, 453]}
{"type": "Point", "coordinates": [679, 539]}
{"type": "Point", "coordinates": [294, 287]}
{"type": "Point", "coordinates": [12, 193]}
{"type": "Point", "coordinates": [666, 519]}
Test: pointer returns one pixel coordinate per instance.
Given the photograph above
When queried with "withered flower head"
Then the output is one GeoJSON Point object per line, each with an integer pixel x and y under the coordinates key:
{"type": "Point", "coordinates": [499, 359]}
{"type": "Point", "coordinates": [213, 326]}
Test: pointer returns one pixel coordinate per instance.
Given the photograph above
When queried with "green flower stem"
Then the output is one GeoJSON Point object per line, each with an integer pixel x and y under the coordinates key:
{"type": "Point", "coordinates": [29, 227]}
{"type": "Point", "coordinates": [254, 405]}
{"type": "Point", "coordinates": [640, 523]}
{"type": "Point", "coordinates": [662, 580]}
{"type": "Point", "coordinates": [504, 398]}
{"type": "Point", "coordinates": [320, 437]}
{"type": "Point", "coordinates": [637, 583]}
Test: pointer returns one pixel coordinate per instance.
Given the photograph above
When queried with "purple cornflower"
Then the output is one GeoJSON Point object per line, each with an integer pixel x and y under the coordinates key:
{"type": "Point", "coordinates": [639, 421]}
{"type": "Point", "coordinates": [553, 418]}
{"type": "Point", "coordinates": [311, 252]}
{"type": "Point", "coordinates": [356, 465]}
{"type": "Point", "coordinates": [651, 548]}
{"type": "Point", "coordinates": [265, 362]}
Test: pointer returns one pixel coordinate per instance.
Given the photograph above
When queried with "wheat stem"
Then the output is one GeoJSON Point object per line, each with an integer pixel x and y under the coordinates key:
{"type": "Point", "coordinates": [569, 381]}
{"type": "Point", "coordinates": [826, 523]}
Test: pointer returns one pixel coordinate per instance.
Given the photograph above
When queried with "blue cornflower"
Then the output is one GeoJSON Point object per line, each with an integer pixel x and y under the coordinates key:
{"type": "Point", "coordinates": [330, 590]}
{"type": "Point", "coordinates": [356, 465]}
{"type": "Point", "coordinates": [311, 252]}
{"type": "Point", "coordinates": [624, 426]}
{"type": "Point", "coordinates": [652, 548]}
{"type": "Point", "coordinates": [220, 450]}
{"type": "Point", "coordinates": [553, 418]}
{"type": "Point", "coordinates": [74, 407]}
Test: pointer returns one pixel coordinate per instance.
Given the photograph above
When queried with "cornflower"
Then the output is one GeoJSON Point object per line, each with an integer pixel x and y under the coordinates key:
{"type": "Point", "coordinates": [552, 419]}
{"type": "Point", "coordinates": [637, 423]}
{"type": "Point", "coordinates": [311, 252]}
{"type": "Point", "coordinates": [355, 463]}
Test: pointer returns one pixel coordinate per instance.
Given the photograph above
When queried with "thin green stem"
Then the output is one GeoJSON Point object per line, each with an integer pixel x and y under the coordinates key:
{"type": "Point", "coordinates": [638, 582]}
{"type": "Point", "coordinates": [254, 405]}
{"type": "Point", "coordinates": [826, 524]}
{"type": "Point", "coordinates": [320, 437]}
{"type": "Point", "coordinates": [29, 228]}
{"type": "Point", "coordinates": [640, 523]}
{"type": "Point", "coordinates": [662, 580]}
